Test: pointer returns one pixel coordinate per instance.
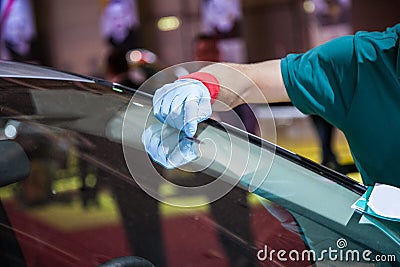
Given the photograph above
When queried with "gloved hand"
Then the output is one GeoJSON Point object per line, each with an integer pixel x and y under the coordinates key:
{"type": "Point", "coordinates": [183, 104]}
{"type": "Point", "coordinates": [168, 147]}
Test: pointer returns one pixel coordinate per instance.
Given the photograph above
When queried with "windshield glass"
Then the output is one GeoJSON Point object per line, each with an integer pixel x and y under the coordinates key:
{"type": "Point", "coordinates": [84, 143]}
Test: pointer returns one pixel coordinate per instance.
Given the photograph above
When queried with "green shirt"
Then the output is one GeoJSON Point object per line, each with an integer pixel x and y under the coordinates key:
{"type": "Point", "coordinates": [353, 82]}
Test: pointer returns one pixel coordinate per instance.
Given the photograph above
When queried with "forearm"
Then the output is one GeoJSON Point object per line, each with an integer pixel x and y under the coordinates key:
{"type": "Point", "coordinates": [249, 83]}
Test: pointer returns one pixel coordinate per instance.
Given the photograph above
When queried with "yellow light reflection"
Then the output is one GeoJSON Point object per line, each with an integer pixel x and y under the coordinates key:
{"type": "Point", "coordinates": [169, 23]}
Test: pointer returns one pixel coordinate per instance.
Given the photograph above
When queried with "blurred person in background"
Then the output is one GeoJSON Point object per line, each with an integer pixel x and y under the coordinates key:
{"type": "Point", "coordinates": [223, 19]}
{"type": "Point", "coordinates": [120, 29]}
{"type": "Point", "coordinates": [120, 25]}
{"type": "Point", "coordinates": [18, 32]}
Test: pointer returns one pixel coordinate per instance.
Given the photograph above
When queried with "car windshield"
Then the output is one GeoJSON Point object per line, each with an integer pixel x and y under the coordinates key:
{"type": "Point", "coordinates": [93, 193]}
{"type": "Point", "coordinates": [10, 69]}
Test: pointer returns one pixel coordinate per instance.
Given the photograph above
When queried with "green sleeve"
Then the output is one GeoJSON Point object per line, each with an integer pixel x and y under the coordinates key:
{"type": "Point", "coordinates": [322, 81]}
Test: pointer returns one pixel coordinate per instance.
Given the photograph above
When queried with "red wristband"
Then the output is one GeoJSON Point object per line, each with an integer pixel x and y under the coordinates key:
{"type": "Point", "coordinates": [208, 80]}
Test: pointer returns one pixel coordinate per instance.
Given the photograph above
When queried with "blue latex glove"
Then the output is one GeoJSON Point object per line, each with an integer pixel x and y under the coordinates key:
{"type": "Point", "coordinates": [182, 105]}
{"type": "Point", "coordinates": [168, 146]}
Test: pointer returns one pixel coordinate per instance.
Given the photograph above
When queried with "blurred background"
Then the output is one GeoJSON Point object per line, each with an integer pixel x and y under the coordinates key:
{"type": "Point", "coordinates": [95, 37]}
{"type": "Point", "coordinates": [69, 34]}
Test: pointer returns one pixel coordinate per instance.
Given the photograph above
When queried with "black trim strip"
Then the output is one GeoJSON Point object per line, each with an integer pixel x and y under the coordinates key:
{"type": "Point", "coordinates": [330, 174]}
